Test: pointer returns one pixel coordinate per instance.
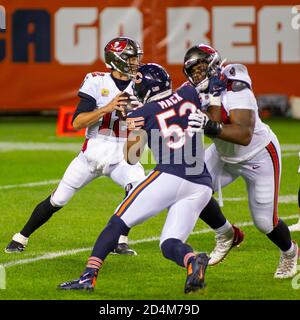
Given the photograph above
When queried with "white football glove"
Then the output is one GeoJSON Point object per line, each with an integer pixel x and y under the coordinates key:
{"type": "Point", "coordinates": [197, 121]}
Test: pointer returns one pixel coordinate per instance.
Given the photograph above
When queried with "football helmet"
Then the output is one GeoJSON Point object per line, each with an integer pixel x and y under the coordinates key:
{"type": "Point", "coordinates": [152, 82]}
{"type": "Point", "coordinates": [117, 53]}
{"type": "Point", "coordinates": [200, 63]}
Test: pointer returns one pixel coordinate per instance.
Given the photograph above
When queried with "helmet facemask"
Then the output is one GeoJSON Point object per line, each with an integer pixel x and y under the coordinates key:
{"type": "Point", "coordinates": [199, 67]}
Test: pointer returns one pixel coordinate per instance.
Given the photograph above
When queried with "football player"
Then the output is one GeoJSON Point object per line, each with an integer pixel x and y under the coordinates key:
{"type": "Point", "coordinates": [242, 146]}
{"type": "Point", "coordinates": [180, 182]}
{"type": "Point", "coordinates": [102, 152]}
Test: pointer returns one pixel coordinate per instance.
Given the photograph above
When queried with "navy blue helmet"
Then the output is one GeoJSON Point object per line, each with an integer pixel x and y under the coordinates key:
{"type": "Point", "coordinates": [152, 82]}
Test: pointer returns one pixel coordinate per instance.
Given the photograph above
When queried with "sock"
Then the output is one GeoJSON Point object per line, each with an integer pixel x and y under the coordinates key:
{"type": "Point", "coordinates": [41, 214]}
{"type": "Point", "coordinates": [280, 235]}
{"type": "Point", "coordinates": [225, 229]}
{"type": "Point", "coordinates": [108, 238]}
{"type": "Point", "coordinates": [94, 263]}
{"type": "Point", "coordinates": [291, 249]}
{"type": "Point", "coordinates": [212, 214]}
{"type": "Point", "coordinates": [177, 251]}
{"type": "Point", "coordinates": [123, 239]}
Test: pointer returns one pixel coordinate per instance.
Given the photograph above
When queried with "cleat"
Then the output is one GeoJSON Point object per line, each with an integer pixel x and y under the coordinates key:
{"type": "Point", "coordinates": [287, 267]}
{"type": "Point", "coordinates": [295, 227]}
{"type": "Point", "coordinates": [14, 246]}
{"type": "Point", "coordinates": [195, 273]}
{"type": "Point", "coordinates": [17, 244]}
{"type": "Point", "coordinates": [123, 248]}
{"type": "Point", "coordinates": [87, 281]}
{"type": "Point", "coordinates": [224, 244]}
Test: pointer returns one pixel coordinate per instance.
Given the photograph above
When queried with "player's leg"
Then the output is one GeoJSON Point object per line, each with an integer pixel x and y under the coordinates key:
{"type": "Point", "coordinates": [263, 188]}
{"type": "Point", "coordinates": [181, 219]}
{"type": "Point", "coordinates": [296, 226]}
{"type": "Point", "coordinates": [227, 235]}
{"type": "Point", "coordinates": [156, 192]}
{"type": "Point", "coordinates": [75, 177]}
{"type": "Point", "coordinates": [127, 176]}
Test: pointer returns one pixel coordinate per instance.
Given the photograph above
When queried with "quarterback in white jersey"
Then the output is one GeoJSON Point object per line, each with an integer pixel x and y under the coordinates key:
{"type": "Point", "coordinates": [242, 146]}
{"type": "Point", "coordinates": [102, 153]}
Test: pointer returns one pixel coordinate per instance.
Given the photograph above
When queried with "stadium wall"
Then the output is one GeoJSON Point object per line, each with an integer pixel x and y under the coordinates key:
{"type": "Point", "coordinates": [47, 47]}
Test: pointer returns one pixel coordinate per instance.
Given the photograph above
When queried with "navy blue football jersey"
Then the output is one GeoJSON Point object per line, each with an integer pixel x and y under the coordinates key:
{"type": "Point", "coordinates": [176, 150]}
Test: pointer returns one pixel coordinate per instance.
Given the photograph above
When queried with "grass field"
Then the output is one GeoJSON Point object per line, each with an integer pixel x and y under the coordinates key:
{"type": "Point", "coordinates": [33, 159]}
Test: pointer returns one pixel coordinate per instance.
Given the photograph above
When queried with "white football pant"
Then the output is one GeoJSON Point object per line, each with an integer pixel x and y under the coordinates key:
{"type": "Point", "coordinates": [160, 190]}
{"type": "Point", "coordinates": [262, 177]}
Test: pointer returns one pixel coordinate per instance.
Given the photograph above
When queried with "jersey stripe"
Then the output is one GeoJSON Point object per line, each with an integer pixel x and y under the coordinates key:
{"type": "Point", "coordinates": [128, 201]}
{"type": "Point", "coordinates": [276, 165]}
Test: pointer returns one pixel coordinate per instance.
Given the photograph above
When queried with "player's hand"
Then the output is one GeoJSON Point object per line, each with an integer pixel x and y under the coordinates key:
{"type": "Point", "coordinates": [117, 103]}
{"type": "Point", "coordinates": [197, 121]}
{"type": "Point", "coordinates": [217, 84]}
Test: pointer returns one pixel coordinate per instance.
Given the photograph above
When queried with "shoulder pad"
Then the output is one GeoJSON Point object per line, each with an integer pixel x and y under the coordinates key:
{"type": "Point", "coordinates": [237, 72]}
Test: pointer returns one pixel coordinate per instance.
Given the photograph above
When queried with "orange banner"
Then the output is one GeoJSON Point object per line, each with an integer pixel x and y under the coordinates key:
{"type": "Point", "coordinates": [47, 48]}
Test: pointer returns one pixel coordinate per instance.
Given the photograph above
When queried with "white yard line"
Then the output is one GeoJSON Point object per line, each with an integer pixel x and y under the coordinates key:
{"type": "Point", "coordinates": [53, 255]}
{"type": "Point", "coordinates": [29, 184]}
{"type": "Point", "coordinates": [282, 199]}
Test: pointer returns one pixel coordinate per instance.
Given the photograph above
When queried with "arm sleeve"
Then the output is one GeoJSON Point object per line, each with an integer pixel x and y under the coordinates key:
{"type": "Point", "coordinates": [86, 104]}
{"type": "Point", "coordinates": [135, 120]}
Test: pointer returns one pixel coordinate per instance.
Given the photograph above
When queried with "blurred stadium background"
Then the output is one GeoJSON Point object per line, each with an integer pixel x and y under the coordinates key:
{"type": "Point", "coordinates": [46, 49]}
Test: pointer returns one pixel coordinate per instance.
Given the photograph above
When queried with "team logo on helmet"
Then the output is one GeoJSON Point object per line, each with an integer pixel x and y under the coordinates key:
{"type": "Point", "coordinates": [138, 78]}
{"type": "Point", "coordinates": [117, 46]}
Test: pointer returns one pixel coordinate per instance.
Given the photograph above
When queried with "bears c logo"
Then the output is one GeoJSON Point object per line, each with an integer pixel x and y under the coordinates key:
{"type": "Point", "coordinates": [138, 78]}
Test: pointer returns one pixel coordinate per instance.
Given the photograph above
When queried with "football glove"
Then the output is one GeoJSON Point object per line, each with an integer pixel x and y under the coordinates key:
{"type": "Point", "coordinates": [217, 84]}
{"type": "Point", "coordinates": [200, 122]}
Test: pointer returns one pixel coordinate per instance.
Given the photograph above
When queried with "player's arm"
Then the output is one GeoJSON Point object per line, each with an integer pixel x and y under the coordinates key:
{"type": "Point", "coordinates": [87, 114]}
{"type": "Point", "coordinates": [134, 146]}
{"type": "Point", "coordinates": [240, 129]}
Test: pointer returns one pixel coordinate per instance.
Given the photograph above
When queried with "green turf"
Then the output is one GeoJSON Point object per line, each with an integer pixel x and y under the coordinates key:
{"type": "Point", "coordinates": [247, 273]}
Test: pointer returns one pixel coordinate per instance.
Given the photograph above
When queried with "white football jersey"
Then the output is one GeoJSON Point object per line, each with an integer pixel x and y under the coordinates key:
{"type": "Point", "coordinates": [103, 89]}
{"type": "Point", "coordinates": [244, 99]}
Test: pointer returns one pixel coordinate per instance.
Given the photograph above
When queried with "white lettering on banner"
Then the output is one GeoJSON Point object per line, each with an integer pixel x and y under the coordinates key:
{"type": "Point", "coordinates": [295, 23]}
{"type": "Point", "coordinates": [75, 39]}
{"type": "Point", "coordinates": [79, 41]}
{"type": "Point", "coordinates": [275, 32]}
{"type": "Point", "coordinates": [185, 28]}
{"type": "Point", "coordinates": [232, 33]}
{"type": "Point", "coordinates": [121, 21]}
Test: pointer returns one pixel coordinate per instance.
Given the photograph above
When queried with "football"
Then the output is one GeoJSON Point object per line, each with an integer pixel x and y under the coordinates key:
{"type": "Point", "coordinates": [127, 108]}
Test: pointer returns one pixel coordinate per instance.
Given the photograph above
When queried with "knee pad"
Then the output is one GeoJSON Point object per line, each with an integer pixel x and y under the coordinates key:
{"type": "Point", "coordinates": [264, 192]}
{"type": "Point", "coordinates": [263, 224]}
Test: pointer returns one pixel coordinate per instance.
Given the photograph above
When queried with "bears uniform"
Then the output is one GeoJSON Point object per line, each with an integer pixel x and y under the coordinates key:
{"type": "Point", "coordinates": [179, 183]}
{"type": "Point", "coordinates": [180, 160]}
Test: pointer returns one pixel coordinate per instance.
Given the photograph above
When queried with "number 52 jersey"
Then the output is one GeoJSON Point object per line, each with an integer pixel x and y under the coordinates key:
{"type": "Point", "coordinates": [176, 150]}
